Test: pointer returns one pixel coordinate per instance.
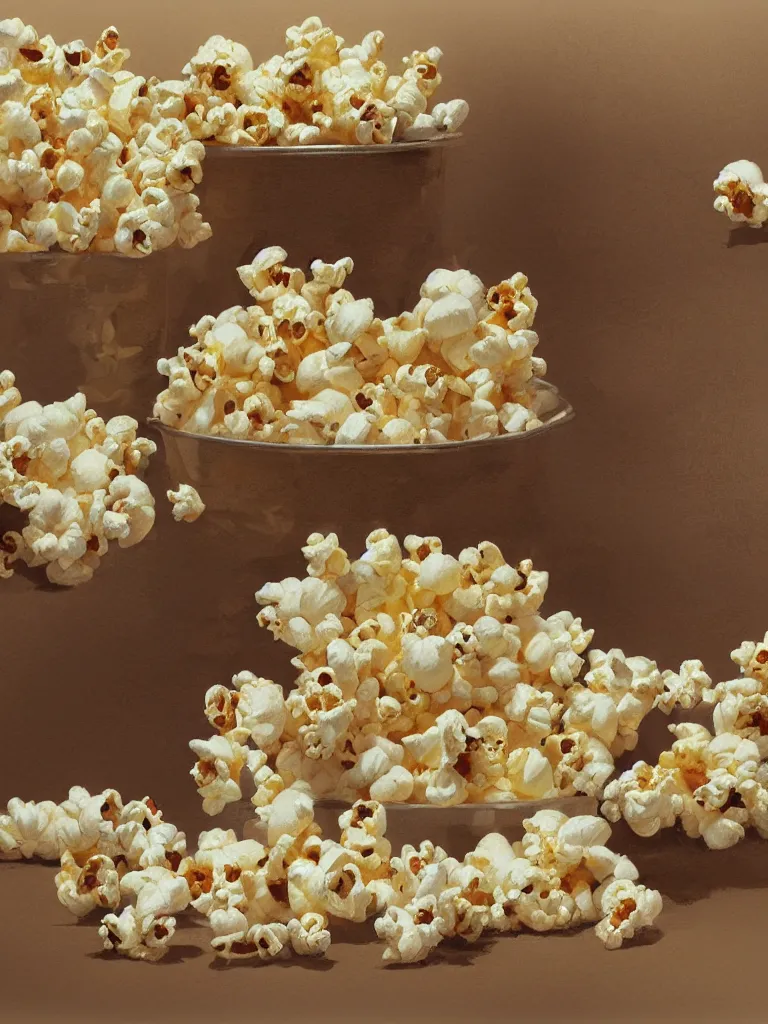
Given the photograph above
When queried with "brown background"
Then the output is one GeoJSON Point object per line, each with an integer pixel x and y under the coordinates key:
{"type": "Point", "coordinates": [595, 132]}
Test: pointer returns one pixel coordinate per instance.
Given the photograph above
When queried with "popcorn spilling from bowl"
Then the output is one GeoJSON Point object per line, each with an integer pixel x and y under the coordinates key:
{"type": "Point", "coordinates": [310, 364]}
{"type": "Point", "coordinates": [319, 91]}
{"type": "Point", "coordinates": [428, 678]}
{"type": "Point", "coordinates": [716, 786]}
{"type": "Point", "coordinates": [75, 478]}
{"type": "Point", "coordinates": [742, 194]}
{"type": "Point", "coordinates": [92, 157]}
{"type": "Point", "coordinates": [268, 900]}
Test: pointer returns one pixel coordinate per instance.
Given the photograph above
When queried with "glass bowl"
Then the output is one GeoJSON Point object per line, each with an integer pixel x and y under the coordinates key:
{"type": "Point", "coordinates": [457, 829]}
{"type": "Point", "coordinates": [381, 205]}
{"type": "Point", "coordinates": [267, 498]}
{"type": "Point", "coordinates": [92, 322]}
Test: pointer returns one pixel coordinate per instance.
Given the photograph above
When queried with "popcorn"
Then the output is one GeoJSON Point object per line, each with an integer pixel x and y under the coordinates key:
{"type": "Point", "coordinates": [310, 364]}
{"type": "Point", "coordinates": [427, 678]}
{"type": "Point", "coordinates": [561, 874]}
{"type": "Point", "coordinates": [265, 901]}
{"type": "Point", "coordinates": [742, 194]}
{"type": "Point", "coordinates": [76, 479]}
{"type": "Point", "coordinates": [143, 930]}
{"type": "Point", "coordinates": [714, 785]}
{"type": "Point", "coordinates": [92, 157]}
{"type": "Point", "coordinates": [187, 504]}
{"type": "Point", "coordinates": [319, 92]}
{"type": "Point", "coordinates": [627, 907]}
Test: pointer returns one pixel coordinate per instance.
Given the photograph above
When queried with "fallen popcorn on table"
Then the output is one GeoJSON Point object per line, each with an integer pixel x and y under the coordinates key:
{"type": "Point", "coordinates": [267, 901]}
{"type": "Point", "coordinates": [716, 786]}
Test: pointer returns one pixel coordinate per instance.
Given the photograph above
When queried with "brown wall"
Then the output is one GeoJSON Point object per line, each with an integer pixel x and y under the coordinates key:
{"type": "Point", "coordinates": [595, 132]}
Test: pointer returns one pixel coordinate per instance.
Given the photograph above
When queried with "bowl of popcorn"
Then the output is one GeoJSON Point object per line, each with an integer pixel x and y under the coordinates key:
{"type": "Point", "coordinates": [266, 126]}
{"type": "Point", "coordinates": [95, 162]}
{"type": "Point", "coordinates": [429, 679]}
{"type": "Point", "coordinates": [307, 393]}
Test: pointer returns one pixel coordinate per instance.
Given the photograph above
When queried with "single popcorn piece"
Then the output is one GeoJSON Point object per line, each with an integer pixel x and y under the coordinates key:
{"type": "Point", "coordinates": [742, 194]}
{"type": "Point", "coordinates": [92, 157]}
{"type": "Point", "coordinates": [77, 480]}
{"type": "Point", "coordinates": [320, 91]}
{"type": "Point", "coordinates": [426, 677]}
{"type": "Point", "coordinates": [187, 504]}
{"type": "Point", "coordinates": [311, 364]}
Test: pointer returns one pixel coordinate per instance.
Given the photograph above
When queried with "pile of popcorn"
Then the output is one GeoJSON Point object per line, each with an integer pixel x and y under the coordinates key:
{"type": "Point", "coordinates": [742, 194]}
{"type": "Point", "coordinates": [92, 157]}
{"type": "Point", "coordinates": [310, 364]}
{"type": "Point", "coordinates": [319, 91]}
{"type": "Point", "coordinates": [430, 679]}
{"type": "Point", "coordinates": [267, 901]}
{"type": "Point", "coordinates": [75, 478]}
{"type": "Point", "coordinates": [716, 786]}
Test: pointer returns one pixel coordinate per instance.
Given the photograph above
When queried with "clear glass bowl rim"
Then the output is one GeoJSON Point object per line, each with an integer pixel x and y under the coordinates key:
{"type": "Point", "coordinates": [561, 413]}
{"type": "Point", "coordinates": [336, 149]}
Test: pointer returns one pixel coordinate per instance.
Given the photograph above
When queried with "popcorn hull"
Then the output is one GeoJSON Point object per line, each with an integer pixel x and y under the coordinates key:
{"type": "Point", "coordinates": [93, 322]}
{"type": "Point", "coordinates": [331, 202]}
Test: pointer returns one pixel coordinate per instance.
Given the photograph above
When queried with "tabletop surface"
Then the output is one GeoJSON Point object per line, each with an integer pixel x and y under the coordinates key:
{"type": "Point", "coordinates": [696, 965]}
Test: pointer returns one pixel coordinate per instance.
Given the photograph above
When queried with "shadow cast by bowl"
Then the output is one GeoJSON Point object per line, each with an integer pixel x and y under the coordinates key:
{"type": "Point", "coordinates": [685, 870]}
{"type": "Point", "coordinates": [175, 955]}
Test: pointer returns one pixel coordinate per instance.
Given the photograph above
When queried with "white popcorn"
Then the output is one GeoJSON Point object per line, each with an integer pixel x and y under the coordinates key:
{"type": "Point", "coordinates": [76, 479]}
{"type": "Point", "coordinates": [319, 91]}
{"type": "Point", "coordinates": [627, 907]}
{"type": "Point", "coordinates": [221, 760]}
{"type": "Point", "coordinates": [742, 194]}
{"type": "Point", "coordinates": [187, 504]}
{"type": "Point", "coordinates": [92, 157]}
{"type": "Point", "coordinates": [426, 678]}
{"type": "Point", "coordinates": [311, 364]}
{"type": "Point", "coordinates": [714, 785]}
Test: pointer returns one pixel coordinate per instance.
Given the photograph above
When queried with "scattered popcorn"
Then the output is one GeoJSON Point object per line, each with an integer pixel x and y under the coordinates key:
{"type": "Point", "coordinates": [716, 786]}
{"type": "Point", "coordinates": [427, 678]}
{"type": "Point", "coordinates": [92, 157]}
{"type": "Point", "coordinates": [75, 478]}
{"type": "Point", "coordinates": [742, 194]}
{"type": "Point", "coordinates": [319, 91]}
{"type": "Point", "coordinates": [310, 364]}
{"type": "Point", "coordinates": [266, 901]}
{"type": "Point", "coordinates": [559, 876]}
{"type": "Point", "coordinates": [187, 504]}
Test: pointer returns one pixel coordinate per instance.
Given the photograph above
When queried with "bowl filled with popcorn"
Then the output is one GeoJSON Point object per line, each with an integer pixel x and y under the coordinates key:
{"type": "Point", "coordinates": [307, 405]}
{"type": "Point", "coordinates": [95, 162]}
{"type": "Point", "coordinates": [432, 683]}
{"type": "Point", "coordinates": [321, 141]}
